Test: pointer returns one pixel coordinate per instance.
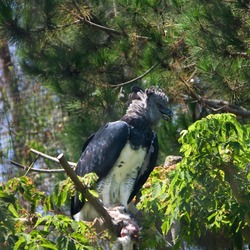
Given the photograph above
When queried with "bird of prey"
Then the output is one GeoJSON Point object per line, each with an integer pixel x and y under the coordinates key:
{"type": "Point", "coordinates": [122, 153]}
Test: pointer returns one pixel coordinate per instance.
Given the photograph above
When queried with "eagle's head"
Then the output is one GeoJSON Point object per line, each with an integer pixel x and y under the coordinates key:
{"type": "Point", "coordinates": [157, 103]}
{"type": "Point", "coordinates": [151, 104]}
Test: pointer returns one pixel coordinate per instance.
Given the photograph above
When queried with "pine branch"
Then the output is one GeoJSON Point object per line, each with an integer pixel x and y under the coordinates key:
{"type": "Point", "coordinates": [137, 78]}
{"type": "Point", "coordinates": [106, 29]}
{"type": "Point", "coordinates": [81, 17]}
{"type": "Point", "coordinates": [214, 104]}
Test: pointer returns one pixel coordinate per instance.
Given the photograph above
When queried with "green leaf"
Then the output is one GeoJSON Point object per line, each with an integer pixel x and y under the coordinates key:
{"type": "Point", "coordinates": [166, 226]}
{"type": "Point", "coordinates": [74, 225]}
{"type": "Point", "coordinates": [49, 246]}
{"type": "Point", "coordinates": [12, 209]}
{"type": "Point", "coordinates": [6, 217]}
{"type": "Point", "coordinates": [80, 237]}
{"type": "Point", "coordinates": [41, 220]}
{"type": "Point", "coordinates": [94, 193]}
{"type": "Point", "coordinates": [62, 242]}
{"type": "Point", "coordinates": [19, 243]}
{"type": "Point", "coordinates": [62, 197]}
{"type": "Point", "coordinates": [72, 245]}
{"type": "Point", "coordinates": [156, 189]}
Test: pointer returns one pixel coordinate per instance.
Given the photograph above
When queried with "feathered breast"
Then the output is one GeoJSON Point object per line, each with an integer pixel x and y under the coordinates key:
{"type": "Point", "coordinates": [117, 186]}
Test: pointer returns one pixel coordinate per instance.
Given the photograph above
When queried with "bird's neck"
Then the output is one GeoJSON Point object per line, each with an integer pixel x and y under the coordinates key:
{"type": "Point", "coordinates": [136, 121]}
{"type": "Point", "coordinates": [137, 115]}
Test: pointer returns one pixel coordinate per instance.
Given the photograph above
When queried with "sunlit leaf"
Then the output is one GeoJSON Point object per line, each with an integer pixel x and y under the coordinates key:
{"type": "Point", "coordinates": [13, 210]}
{"type": "Point", "coordinates": [19, 244]}
{"type": "Point", "coordinates": [156, 189]}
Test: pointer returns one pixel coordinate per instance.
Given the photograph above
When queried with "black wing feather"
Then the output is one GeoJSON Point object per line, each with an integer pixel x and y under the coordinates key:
{"type": "Point", "coordinates": [100, 153]}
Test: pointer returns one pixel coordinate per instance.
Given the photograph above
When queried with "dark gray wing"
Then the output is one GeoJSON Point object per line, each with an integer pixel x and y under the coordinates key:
{"type": "Point", "coordinates": [147, 168]}
{"type": "Point", "coordinates": [100, 153]}
{"type": "Point", "coordinates": [104, 148]}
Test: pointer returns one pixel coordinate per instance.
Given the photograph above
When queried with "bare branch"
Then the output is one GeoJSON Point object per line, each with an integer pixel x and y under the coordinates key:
{"type": "Point", "coordinates": [103, 28]}
{"type": "Point", "coordinates": [239, 54]}
{"type": "Point", "coordinates": [50, 171]}
{"type": "Point", "coordinates": [73, 164]}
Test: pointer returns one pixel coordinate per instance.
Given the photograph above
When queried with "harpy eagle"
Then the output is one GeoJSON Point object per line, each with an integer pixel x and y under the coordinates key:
{"type": "Point", "coordinates": [122, 153]}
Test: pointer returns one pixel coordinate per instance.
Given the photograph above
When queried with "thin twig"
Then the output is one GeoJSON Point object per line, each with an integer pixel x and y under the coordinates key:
{"type": "Point", "coordinates": [190, 89]}
{"type": "Point", "coordinates": [137, 78]}
{"type": "Point", "coordinates": [88, 22]}
{"type": "Point", "coordinates": [219, 109]}
{"type": "Point", "coordinates": [103, 28]}
{"type": "Point", "coordinates": [31, 165]}
{"type": "Point", "coordinates": [49, 171]}
{"type": "Point", "coordinates": [192, 75]}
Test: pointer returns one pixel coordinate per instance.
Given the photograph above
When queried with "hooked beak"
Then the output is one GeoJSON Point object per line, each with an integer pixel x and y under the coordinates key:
{"type": "Point", "coordinates": [167, 114]}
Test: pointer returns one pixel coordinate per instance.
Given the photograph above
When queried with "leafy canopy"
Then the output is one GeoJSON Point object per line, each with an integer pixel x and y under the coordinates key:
{"type": "Point", "coordinates": [207, 192]}
{"type": "Point", "coordinates": [209, 189]}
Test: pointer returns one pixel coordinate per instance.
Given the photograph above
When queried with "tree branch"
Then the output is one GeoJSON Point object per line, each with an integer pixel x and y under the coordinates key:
{"type": "Point", "coordinates": [137, 78]}
{"type": "Point", "coordinates": [225, 106]}
{"type": "Point", "coordinates": [73, 164]}
{"type": "Point", "coordinates": [214, 104]}
{"type": "Point", "coordinates": [49, 171]}
{"type": "Point", "coordinates": [88, 22]}
{"type": "Point", "coordinates": [106, 217]}
{"type": "Point", "coordinates": [91, 199]}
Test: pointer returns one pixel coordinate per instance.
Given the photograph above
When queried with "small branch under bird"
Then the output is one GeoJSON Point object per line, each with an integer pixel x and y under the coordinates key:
{"type": "Point", "coordinates": [122, 153]}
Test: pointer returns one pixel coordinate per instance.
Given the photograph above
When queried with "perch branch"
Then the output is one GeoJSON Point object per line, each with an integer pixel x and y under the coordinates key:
{"type": "Point", "coordinates": [225, 106]}
{"type": "Point", "coordinates": [91, 199]}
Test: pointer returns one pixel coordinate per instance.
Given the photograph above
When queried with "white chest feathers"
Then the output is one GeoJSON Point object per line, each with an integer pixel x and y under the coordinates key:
{"type": "Point", "coordinates": [117, 186]}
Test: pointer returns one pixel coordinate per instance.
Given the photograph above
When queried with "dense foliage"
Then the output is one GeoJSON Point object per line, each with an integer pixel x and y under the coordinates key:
{"type": "Point", "coordinates": [90, 53]}
{"type": "Point", "coordinates": [26, 227]}
{"type": "Point", "coordinates": [206, 194]}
